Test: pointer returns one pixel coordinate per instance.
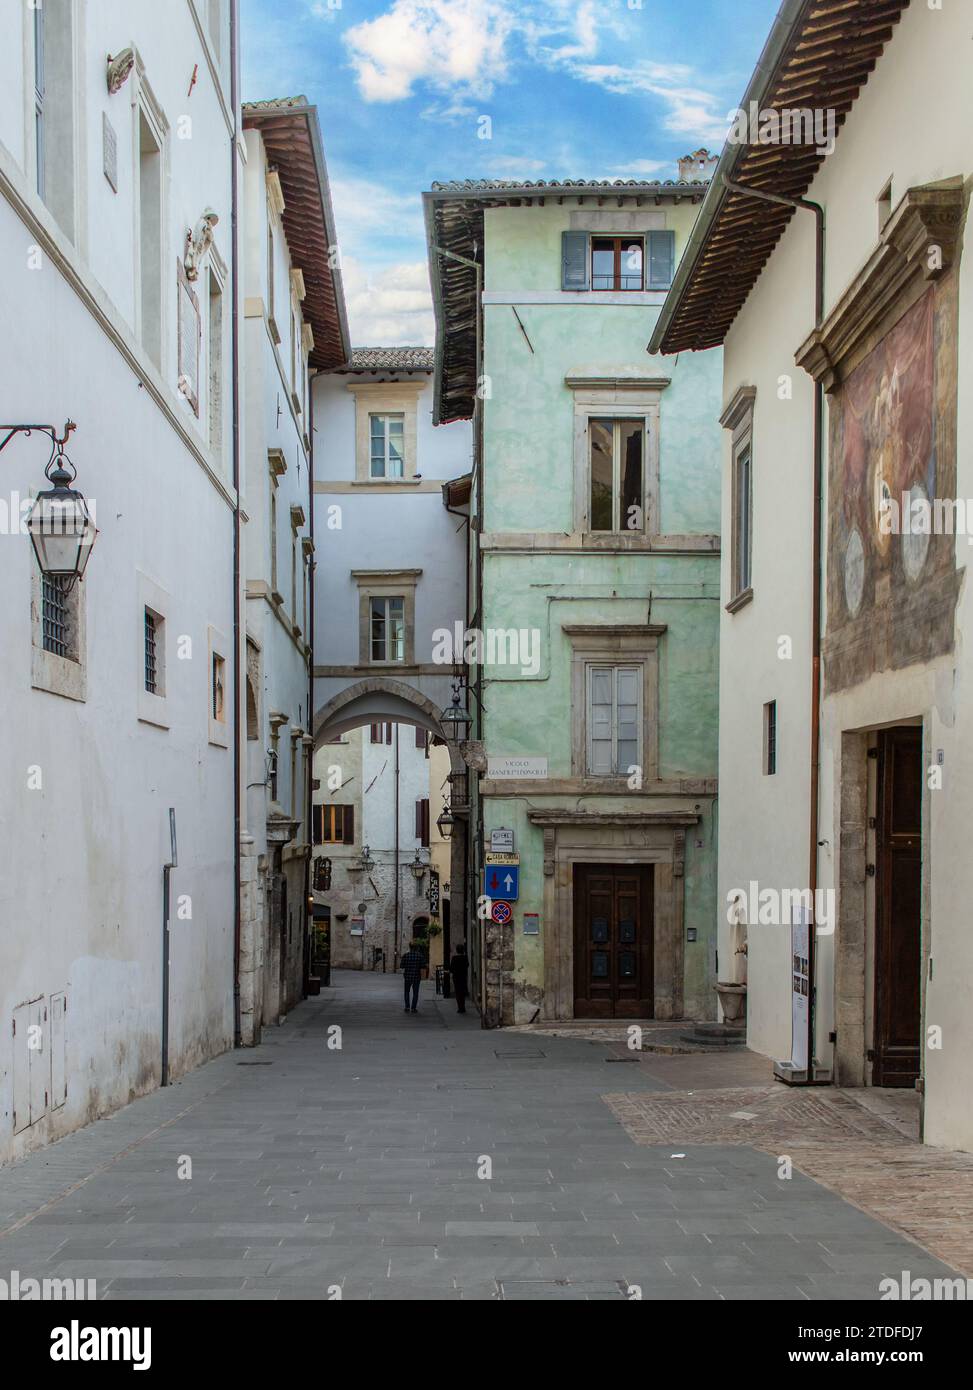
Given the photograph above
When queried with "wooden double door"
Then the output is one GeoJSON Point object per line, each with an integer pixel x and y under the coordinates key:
{"type": "Point", "coordinates": [898, 908]}
{"type": "Point", "coordinates": [613, 941]}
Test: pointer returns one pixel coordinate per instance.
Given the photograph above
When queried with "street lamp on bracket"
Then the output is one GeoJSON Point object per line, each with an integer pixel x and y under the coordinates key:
{"type": "Point", "coordinates": [455, 720]}
{"type": "Point", "coordinates": [59, 523]}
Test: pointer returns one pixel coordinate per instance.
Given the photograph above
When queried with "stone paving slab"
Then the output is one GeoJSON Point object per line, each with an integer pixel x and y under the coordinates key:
{"type": "Point", "coordinates": [364, 1170]}
{"type": "Point", "coordinates": [857, 1148]}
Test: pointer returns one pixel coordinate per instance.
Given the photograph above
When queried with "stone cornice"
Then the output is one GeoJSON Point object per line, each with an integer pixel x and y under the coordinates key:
{"type": "Point", "coordinates": [739, 407]}
{"type": "Point", "coordinates": [916, 247]}
{"type": "Point", "coordinates": [636, 818]}
{"type": "Point", "coordinates": [613, 629]}
{"type": "Point", "coordinates": [617, 383]}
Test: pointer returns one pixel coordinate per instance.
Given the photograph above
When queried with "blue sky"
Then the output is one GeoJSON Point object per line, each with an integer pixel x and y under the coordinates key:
{"type": "Point", "coordinates": [572, 89]}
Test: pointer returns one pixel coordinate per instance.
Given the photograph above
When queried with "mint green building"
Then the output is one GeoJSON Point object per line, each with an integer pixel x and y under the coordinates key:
{"type": "Point", "coordinates": [594, 581]}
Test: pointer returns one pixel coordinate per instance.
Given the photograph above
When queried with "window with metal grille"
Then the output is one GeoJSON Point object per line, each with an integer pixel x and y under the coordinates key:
{"type": "Point", "coordinates": [56, 616]}
{"type": "Point", "coordinates": [770, 738]}
{"type": "Point", "coordinates": [151, 664]}
{"type": "Point", "coordinates": [219, 688]}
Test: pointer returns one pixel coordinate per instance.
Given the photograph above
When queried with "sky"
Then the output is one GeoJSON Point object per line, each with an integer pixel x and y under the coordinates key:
{"type": "Point", "coordinates": [569, 89]}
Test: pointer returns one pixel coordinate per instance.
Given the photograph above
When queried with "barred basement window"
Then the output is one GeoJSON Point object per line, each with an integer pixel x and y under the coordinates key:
{"type": "Point", "coordinates": [219, 688]}
{"type": "Point", "coordinates": [770, 738]}
{"type": "Point", "coordinates": [56, 617]}
{"type": "Point", "coordinates": [151, 666]}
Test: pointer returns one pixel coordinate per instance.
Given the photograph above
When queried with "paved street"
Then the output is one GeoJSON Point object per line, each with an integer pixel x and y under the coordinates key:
{"type": "Point", "coordinates": [365, 1169]}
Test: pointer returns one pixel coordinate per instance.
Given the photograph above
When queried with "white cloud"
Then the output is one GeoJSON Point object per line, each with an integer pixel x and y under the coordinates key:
{"type": "Point", "coordinates": [388, 307]}
{"type": "Point", "coordinates": [514, 167]}
{"type": "Point", "coordinates": [692, 110]}
{"type": "Point", "coordinates": [459, 50]}
{"type": "Point", "coordinates": [368, 213]}
{"type": "Point", "coordinates": [643, 169]}
{"type": "Point", "coordinates": [448, 44]}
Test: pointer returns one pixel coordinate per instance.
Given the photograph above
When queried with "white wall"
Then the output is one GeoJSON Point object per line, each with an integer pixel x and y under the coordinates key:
{"type": "Point", "coordinates": [384, 530]}
{"type": "Point", "coordinates": [81, 886]}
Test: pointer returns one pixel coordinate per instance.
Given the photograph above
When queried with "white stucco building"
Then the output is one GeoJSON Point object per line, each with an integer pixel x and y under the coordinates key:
{"type": "Point", "coordinates": [375, 830]}
{"type": "Point", "coordinates": [391, 498]}
{"type": "Point", "coordinates": [854, 782]}
{"type": "Point", "coordinates": [117, 295]}
{"type": "Point", "coordinates": [295, 325]}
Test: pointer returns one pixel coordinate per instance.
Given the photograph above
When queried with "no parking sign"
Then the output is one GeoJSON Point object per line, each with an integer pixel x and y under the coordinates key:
{"type": "Point", "coordinates": [501, 913]}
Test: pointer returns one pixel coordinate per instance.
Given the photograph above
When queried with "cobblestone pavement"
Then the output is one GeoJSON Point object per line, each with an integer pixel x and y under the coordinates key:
{"type": "Point", "coordinates": [365, 1169]}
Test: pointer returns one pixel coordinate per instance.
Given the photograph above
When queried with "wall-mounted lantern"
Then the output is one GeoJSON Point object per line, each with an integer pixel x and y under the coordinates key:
{"type": "Point", "coordinates": [417, 868]}
{"type": "Point", "coordinates": [59, 523]}
{"type": "Point", "coordinates": [455, 721]}
{"type": "Point", "coordinates": [445, 821]}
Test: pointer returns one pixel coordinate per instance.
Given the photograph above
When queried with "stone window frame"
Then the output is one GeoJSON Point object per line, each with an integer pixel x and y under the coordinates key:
{"type": "Point", "coordinates": [386, 398]}
{"type": "Point", "coordinates": [619, 644]}
{"type": "Point", "coordinates": [153, 708]}
{"type": "Point", "coordinates": [217, 646]}
{"type": "Point", "coordinates": [737, 418]}
{"type": "Point", "coordinates": [617, 398]}
{"type": "Point", "coordinates": [59, 675]}
{"type": "Point", "coordinates": [386, 584]}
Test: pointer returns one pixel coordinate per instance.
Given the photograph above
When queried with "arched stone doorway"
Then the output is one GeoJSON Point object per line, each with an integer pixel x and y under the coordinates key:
{"type": "Point", "coordinates": [379, 700]}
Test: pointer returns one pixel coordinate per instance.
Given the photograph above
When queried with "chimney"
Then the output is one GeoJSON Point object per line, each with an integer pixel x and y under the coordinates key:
{"type": "Point", "coordinates": [697, 167]}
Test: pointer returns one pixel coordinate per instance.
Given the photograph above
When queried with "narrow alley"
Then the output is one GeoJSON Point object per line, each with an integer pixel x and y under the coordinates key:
{"type": "Point", "coordinates": [426, 1158]}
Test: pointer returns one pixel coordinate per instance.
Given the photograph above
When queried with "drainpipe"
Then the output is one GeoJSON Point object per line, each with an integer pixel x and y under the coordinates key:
{"type": "Point", "coordinates": [235, 389]}
{"type": "Point", "coordinates": [309, 769]}
{"type": "Point", "coordinates": [395, 958]}
{"type": "Point", "coordinates": [474, 828]}
{"type": "Point", "coordinates": [818, 452]}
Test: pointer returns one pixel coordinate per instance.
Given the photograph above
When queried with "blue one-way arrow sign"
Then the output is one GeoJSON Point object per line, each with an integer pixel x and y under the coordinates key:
{"type": "Point", "coordinates": [502, 881]}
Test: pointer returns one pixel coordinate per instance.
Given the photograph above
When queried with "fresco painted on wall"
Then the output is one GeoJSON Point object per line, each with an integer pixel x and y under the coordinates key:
{"type": "Point", "coordinates": [892, 580]}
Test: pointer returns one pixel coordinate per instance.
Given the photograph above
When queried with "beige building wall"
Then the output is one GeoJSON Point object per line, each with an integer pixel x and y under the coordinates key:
{"type": "Point", "coordinates": [912, 125]}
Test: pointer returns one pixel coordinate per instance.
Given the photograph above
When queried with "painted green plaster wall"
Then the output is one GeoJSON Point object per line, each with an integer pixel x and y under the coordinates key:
{"type": "Point", "coordinates": [528, 488]}
{"type": "Point", "coordinates": [529, 413]}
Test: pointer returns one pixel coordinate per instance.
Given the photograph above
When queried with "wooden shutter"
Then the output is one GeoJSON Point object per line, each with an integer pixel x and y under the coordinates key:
{"type": "Point", "coordinates": [348, 837]}
{"type": "Point", "coordinates": [317, 825]}
{"type": "Point", "coordinates": [574, 260]}
{"type": "Point", "coordinates": [422, 820]}
{"type": "Point", "coordinates": [420, 737]}
{"type": "Point", "coordinates": [662, 259]}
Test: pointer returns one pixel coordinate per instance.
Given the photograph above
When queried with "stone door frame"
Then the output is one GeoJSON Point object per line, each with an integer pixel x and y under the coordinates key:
{"type": "Point", "coordinates": [656, 838]}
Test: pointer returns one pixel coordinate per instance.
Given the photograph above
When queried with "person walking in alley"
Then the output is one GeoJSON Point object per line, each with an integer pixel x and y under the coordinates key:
{"type": "Point", "coordinates": [459, 968]}
{"type": "Point", "coordinates": [412, 966]}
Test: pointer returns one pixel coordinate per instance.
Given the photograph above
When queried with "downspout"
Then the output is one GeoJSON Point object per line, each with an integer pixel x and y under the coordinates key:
{"type": "Point", "coordinates": [235, 390]}
{"type": "Point", "coordinates": [818, 452]}
{"type": "Point", "coordinates": [309, 769]}
{"type": "Point", "coordinates": [395, 943]}
{"type": "Point", "coordinates": [469, 887]}
{"type": "Point", "coordinates": [467, 917]}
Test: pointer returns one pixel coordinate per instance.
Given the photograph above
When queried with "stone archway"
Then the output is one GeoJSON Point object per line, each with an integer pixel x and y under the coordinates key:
{"type": "Point", "coordinates": [380, 698]}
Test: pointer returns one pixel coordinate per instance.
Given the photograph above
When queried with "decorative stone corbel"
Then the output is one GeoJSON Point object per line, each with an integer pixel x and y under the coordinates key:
{"type": "Point", "coordinates": [119, 69]}
{"type": "Point", "coordinates": [550, 836]}
{"type": "Point", "coordinates": [198, 243]}
{"type": "Point", "coordinates": [679, 854]}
